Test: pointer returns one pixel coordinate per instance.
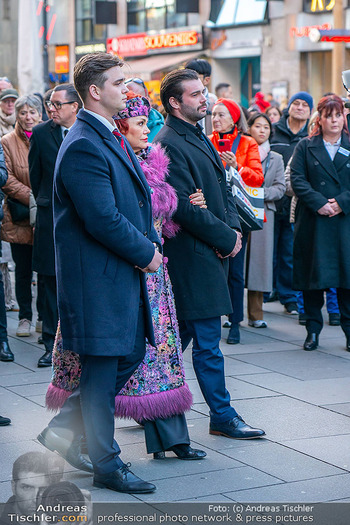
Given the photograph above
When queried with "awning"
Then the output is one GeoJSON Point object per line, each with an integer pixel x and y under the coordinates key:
{"type": "Point", "coordinates": [144, 67]}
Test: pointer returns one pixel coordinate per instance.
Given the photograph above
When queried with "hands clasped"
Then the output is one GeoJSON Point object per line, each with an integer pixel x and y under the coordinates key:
{"type": "Point", "coordinates": [331, 208]}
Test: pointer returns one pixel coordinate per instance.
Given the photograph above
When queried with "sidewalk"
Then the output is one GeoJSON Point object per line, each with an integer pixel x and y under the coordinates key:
{"type": "Point", "coordinates": [301, 399]}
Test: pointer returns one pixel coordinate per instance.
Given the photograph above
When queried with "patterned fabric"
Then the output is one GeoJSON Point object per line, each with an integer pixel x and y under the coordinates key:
{"type": "Point", "coordinates": [136, 106]}
{"type": "Point", "coordinates": [157, 388]}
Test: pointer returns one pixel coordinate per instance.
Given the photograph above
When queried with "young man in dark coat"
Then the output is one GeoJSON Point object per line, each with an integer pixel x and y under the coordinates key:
{"type": "Point", "coordinates": [44, 145]}
{"type": "Point", "coordinates": [198, 254]}
{"type": "Point", "coordinates": [105, 242]}
{"type": "Point", "coordinates": [287, 133]}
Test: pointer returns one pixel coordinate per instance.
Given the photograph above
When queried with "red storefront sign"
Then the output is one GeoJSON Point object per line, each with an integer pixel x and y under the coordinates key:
{"type": "Point", "coordinates": [138, 44]}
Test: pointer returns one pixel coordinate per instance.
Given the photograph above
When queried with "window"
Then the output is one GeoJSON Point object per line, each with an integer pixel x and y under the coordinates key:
{"type": "Point", "coordinates": [155, 15]}
{"type": "Point", "coordinates": [238, 12]}
{"type": "Point", "coordinates": [6, 10]}
{"type": "Point", "coordinates": [86, 29]}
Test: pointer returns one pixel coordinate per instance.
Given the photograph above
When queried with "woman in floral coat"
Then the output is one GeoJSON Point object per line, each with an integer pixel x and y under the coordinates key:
{"type": "Point", "coordinates": [157, 394]}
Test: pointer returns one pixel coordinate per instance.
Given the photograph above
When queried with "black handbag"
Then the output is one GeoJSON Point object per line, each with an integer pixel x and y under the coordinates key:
{"type": "Point", "coordinates": [19, 212]}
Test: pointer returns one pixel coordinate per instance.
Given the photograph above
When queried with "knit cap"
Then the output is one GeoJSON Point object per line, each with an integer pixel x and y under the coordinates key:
{"type": "Point", "coordinates": [302, 95]}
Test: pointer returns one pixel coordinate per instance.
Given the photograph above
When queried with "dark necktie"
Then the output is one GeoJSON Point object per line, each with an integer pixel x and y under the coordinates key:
{"type": "Point", "coordinates": [120, 139]}
{"type": "Point", "coordinates": [65, 133]}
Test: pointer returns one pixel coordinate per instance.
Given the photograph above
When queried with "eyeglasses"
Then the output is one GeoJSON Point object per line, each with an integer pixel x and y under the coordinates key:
{"type": "Point", "coordinates": [5, 78]}
{"type": "Point", "coordinates": [57, 105]}
{"type": "Point", "coordinates": [136, 80]}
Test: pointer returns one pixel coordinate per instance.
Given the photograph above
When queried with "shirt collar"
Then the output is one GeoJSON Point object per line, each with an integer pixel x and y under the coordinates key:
{"type": "Point", "coordinates": [102, 119]}
{"type": "Point", "coordinates": [334, 144]}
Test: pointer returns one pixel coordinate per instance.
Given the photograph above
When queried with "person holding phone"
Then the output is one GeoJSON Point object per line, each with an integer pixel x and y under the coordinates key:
{"type": "Point", "coordinates": [242, 153]}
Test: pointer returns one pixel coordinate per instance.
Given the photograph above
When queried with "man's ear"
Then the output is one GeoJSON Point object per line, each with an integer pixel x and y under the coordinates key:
{"type": "Point", "coordinates": [174, 103]}
{"type": "Point", "coordinates": [94, 92]}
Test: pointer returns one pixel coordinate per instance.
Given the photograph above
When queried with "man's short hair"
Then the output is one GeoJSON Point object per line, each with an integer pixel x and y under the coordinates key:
{"type": "Point", "coordinates": [172, 86]}
{"type": "Point", "coordinates": [39, 463]}
{"type": "Point", "coordinates": [72, 93]}
{"type": "Point", "coordinates": [91, 69]}
{"type": "Point", "coordinates": [201, 66]}
{"type": "Point", "coordinates": [220, 87]}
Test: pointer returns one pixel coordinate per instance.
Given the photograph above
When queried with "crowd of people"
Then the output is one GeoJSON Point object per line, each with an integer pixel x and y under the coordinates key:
{"type": "Point", "coordinates": [126, 214]}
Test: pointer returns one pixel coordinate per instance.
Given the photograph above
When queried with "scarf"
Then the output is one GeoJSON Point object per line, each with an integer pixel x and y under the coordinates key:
{"type": "Point", "coordinates": [264, 150]}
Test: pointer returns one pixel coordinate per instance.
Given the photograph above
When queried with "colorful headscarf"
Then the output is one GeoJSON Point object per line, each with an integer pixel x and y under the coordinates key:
{"type": "Point", "coordinates": [136, 106]}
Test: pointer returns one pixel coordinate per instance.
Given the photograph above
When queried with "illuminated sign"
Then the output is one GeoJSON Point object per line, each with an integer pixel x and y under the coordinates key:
{"type": "Point", "coordinates": [305, 30]}
{"type": "Point", "coordinates": [89, 48]}
{"type": "Point", "coordinates": [217, 42]}
{"type": "Point", "coordinates": [62, 59]}
{"type": "Point", "coordinates": [138, 44]}
{"type": "Point", "coordinates": [318, 6]}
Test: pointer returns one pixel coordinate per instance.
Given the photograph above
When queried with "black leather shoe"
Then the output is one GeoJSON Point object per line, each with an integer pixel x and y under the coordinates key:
{"type": "Point", "coordinates": [187, 452]}
{"type": "Point", "coordinates": [234, 335]}
{"type": "Point", "coordinates": [334, 319]}
{"type": "Point", "coordinates": [4, 421]}
{"type": "Point", "coordinates": [311, 342]}
{"type": "Point", "coordinates": [70, 451]}
{"type": "Point", "coordinates": [5, 352]}
{"type": "Point", "coordinates": [45, 360]}
{"type": "Point", "coordinates": [123, 480]}
{"type": "Point", "coordinates": [236, 428]}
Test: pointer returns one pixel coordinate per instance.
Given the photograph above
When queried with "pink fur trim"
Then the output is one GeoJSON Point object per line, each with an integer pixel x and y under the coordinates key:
{"type": "Point", "coordinates": [55, 397]}
{"type": "Point", "coordinates": [153, 406]}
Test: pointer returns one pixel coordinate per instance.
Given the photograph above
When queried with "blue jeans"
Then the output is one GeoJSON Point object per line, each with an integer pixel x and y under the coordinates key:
{"type": "Point", "coordinates": [283, 259]}
{"type": "Point", "coordinates": [208, 364]}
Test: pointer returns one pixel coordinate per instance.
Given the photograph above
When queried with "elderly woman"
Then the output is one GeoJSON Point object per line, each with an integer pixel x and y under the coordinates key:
{"type": "Point", "coordinates": [16, 228]}
{"type": "Point", "coordinates": [229, 123]}
{"type": "Point", "coordinates": [320, 177]}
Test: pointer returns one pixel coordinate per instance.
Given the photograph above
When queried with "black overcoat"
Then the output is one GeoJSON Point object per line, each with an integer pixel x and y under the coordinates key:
{"type": "Point", "coordinates": [103, 229]}
{"type": "Point", "coordinates": [198, 276]}
{"type": "Point", "coordinates": [44, 145]}
{"type": "Point", "coordinates": [321, 256]}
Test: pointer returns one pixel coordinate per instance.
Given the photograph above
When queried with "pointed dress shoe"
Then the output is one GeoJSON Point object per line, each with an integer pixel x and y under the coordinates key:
{"type": "Point", "coordinates": [45, 360]}
{"type": "Point", "coordinates": [5, 352]}
{"type": "Point", "coordinates": [347, 348]}
{"type": "Point", "coordinates": [123, 480]}
{"type": "Point", "coordinates": [182, 451]}
{"type": "Point", "coordinates": [311, 342]}
{"type": "Point", "coordinates": [236, 428]}
{"type": "Point", "coordinates": [68, 450]}
{"type": "Point", "coordinates": [4, 421]}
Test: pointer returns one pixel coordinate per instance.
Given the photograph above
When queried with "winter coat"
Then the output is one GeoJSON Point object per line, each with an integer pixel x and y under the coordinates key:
{"type": "Point", "coordinates": [198, 275]}
{"type": "Point", "coordinates": [284, 141]}
{"type": "Point", "coordinates": [7, 123]}
{"type": "Point", "coordinates": [260, 253]}
{"type": "Point", "coordinates": [247, 155]}
{"type": "Point", "coordinates": [16, 148]}
{"type": "Point", "coordinates": [321, 252]}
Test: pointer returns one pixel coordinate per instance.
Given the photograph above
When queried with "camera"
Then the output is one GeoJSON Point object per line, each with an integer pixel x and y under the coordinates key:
{"type": "Point", "coordinates": [346, 79]}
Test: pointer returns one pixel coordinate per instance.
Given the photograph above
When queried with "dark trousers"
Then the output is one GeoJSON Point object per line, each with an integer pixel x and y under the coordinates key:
{"type": "Point", "coordinates": [162, 434]}
{"type": "Point", "coordinates": [208, 364]}
{"type": "Point", "coordinates": [90, 408]}
{"type": "Point", "coordinates": [22, 256]}
{"type": "Point", "coordinates": [313, 303]}
{"type": "Point", "coordinates": [236, 282]}
{"type": "Point", "coordinates": [49, 311]}
{"type": "Point", "coordinates": [40, 299]}
{"type": "Point", "coordinates": [283, 259]}
{"type": "Point", "coordinates": [3, 321]}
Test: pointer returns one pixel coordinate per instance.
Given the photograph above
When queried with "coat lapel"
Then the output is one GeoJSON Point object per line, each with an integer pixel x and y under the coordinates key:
{"type": "Point", "coordinates": [341, 158]}
{"type": "Point", "coordinates": [319, 152]}
{"type": "Point", "coordinates": [56, 133]}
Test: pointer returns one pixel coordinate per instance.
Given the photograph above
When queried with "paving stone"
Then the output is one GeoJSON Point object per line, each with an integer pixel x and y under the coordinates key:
{"type": "Point", "coordinates": [334, 450]}
{"type": "Point", "coordinates": [321, 489]}
{"type": "Point", "coordinates": [282, 462]}
{"type": "Point", "coordinates": [340, 408]}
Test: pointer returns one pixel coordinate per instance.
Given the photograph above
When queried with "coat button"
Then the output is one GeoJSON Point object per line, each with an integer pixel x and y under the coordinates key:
{"type": "Point", "coordinates": [316, 163]}
{"type": "Point", "coordinates": [140, 204]}
{"type": "Point", "coordinates": [219, 179]}
{"type": "Point", "coordinates": [348, 165]}
{"type": "Point", "coordinates": [323, 183]}
{"type": "Point", "coordinates": [225, 210]}
{"type": "Point", "coordinates": [145, 234]}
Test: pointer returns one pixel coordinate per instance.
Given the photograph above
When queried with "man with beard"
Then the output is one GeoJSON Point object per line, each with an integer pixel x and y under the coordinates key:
{"type": "Point", "coordinates": [198, 255]}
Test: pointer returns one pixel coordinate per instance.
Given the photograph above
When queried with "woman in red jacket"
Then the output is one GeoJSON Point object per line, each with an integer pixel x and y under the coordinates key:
{"type": "Point", "coordinates": [229, 123]}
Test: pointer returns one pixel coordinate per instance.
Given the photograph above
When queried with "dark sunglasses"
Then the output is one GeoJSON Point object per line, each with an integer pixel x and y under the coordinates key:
{"type": "Point", "coordinates": [57, 105]}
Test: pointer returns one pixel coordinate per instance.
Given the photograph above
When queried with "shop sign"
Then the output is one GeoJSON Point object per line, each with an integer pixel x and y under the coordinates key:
{"type": "Point", "coordinates": [217, 42]}
{"type": "Point", "coordinates": [318, 6]}
{"type": "Point", "coordinates": [61, 59]}
{"type": "Point", "coordinates": [138, 44]}
{"type": "Point", "coordinates": [305, 30]}
{"type": "Point", "coordinates": [89, 48]}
